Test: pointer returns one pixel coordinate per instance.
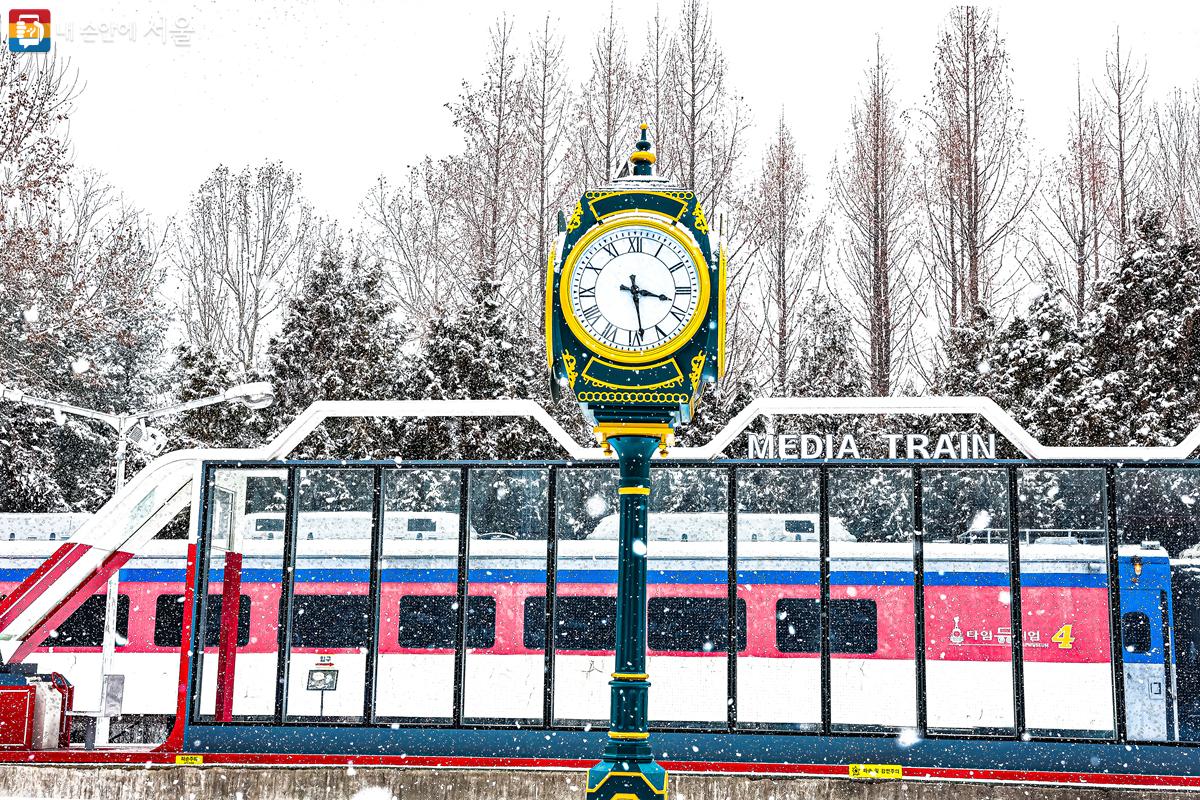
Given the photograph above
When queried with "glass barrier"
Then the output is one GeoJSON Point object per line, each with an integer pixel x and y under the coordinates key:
{"type": "Point", "coordinates": [585, 603]}
{"type": "Point", "coordinates": [1061, 536]}
{"type": "Point", "coordinates": [1064, 602]}
{"type": "Point", "coordinates": [418, 606]}
{"type": "Point", "coordinates": [779, 598]}
{"type": "Point", "coordinates": [968, 608]}
{"type": "Point", "coordinates": [246, 537]}
{"type": "Point", "coordinates": [871, 630]}
{"type": "Point", "coordinates": [687, 606]}
{"type": "Point", "coordinates": [331, 611]}
{"type": "Point", "coordinates": [1158, 524]}
{"type": "Point", "coordinates": [506, 595]}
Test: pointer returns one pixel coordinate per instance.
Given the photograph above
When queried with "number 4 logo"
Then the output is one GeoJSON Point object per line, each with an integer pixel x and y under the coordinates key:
{"type": "Point", "coordinates": [1063, 637]}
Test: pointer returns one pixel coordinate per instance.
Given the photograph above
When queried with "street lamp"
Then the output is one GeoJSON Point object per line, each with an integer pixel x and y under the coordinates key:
{"type": "Point", "coordinates": [132, 427]}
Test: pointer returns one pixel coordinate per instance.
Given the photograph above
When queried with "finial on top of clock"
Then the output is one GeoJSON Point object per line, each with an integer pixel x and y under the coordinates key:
{"type": "Point", "coordinates": [642, 158]}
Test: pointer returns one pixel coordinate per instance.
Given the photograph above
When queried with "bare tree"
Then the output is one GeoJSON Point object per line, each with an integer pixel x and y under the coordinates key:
{"type": "Point", "coordinates": [780, 205]}
{"type": "Point", "coordinates": [410, 228]}
{"type": "Point", "coordinates": [245, 243]}
{"type": "Point", "coordinates": [548, 97]}
{"type": "Point", "coordinates": [708, 124]}
{"type": "Point", "coordinates": [1125, 84]}
{"type": "Point", "coordinates": [873, 190]}
{"type": "Point", "coordinates": [487, 199]}
{"type": "Point", "coordinates": [1074, 207]}
{"type": "Point", "coordinates": [1176, 159]}
{"type": "Point", "coordinates": [739, 232]}
{"type": "Point", "coordinates": [654, 87]}
{"type": "Point", "coordinates": [36, 96]}
{"type": "Point", "coordinates": [606, 107]}
{"type": "Point", "coordinates": [975, 182]}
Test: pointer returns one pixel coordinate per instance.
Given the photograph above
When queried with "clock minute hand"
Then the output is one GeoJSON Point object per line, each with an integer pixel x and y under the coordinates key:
{"type": "Point", "coordinates": [635, 292]}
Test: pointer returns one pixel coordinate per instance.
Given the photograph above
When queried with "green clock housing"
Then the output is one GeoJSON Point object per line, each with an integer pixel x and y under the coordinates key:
{"type": "Point", "coordinates": [635, 302]}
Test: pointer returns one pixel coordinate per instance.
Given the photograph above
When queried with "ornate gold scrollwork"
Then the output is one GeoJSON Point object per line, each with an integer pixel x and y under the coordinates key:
{"type": "Point", "coordinates": [569, 363]}
{"type": "Point", "coordinates": [576, 217]}
{"type": "Point", "coordinates": [697, 368]}
{"type": "Point", "coordinates": [701, 222]}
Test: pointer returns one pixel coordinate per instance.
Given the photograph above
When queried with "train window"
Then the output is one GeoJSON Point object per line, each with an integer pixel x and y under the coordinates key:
{"type": "Point", "coordinates": [320, 620]}
{"type": "Point", "coordinates": [799, 526]}
{"type": "Point", "coordinates": [269, 524]}
{"type": "Point", "coordinates": [693, 624]}
{"type": "Point", "coordinates": [1135, 632]}
{"type": "Point", "coordinates": [85, 627]}
{"type": "Point", "coordinates": [853, 626]}
{"type": "Point", "coordinates": [427, 622]}
{"type": "Point", "coordinates": [168, 621]}
{"type": "Point", "coordinates": [583, 623]}
{"type": "Point", "coordinates": [422, 524]}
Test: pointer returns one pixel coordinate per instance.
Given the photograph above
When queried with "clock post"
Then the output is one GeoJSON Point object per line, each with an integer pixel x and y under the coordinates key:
{"type": "Point", "coordinates": [635, 302]}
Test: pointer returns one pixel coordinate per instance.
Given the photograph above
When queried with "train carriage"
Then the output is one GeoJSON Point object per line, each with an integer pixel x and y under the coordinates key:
{"type": "Point", "coordinates": [968, 647]}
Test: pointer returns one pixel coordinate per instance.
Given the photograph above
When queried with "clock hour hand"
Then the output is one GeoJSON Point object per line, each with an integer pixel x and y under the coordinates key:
{"type": "Point", "coordinates": [648, 293]}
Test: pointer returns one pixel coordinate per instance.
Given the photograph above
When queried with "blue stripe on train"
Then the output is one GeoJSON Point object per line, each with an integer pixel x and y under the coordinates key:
{"type": "Point", "coordinates": [709, 577]}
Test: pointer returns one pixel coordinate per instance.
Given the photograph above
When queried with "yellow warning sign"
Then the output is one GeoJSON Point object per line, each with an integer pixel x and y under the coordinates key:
{"type": "Point", "coordinates": [190, 761]}
{"type": "Point", "coordinates": [882, 772]}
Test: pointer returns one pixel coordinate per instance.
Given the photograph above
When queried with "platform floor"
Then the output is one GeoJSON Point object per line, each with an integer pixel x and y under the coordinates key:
{"type": "Point", "coordinates": [157, 782]}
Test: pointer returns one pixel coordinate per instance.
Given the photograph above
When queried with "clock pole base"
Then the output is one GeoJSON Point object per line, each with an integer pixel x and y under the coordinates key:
{"type": "Point", "coordinates": [616, 779]}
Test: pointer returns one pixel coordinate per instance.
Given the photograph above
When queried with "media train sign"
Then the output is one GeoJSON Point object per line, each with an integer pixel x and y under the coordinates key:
{"type": "Point", "coordinates": [899, 445]}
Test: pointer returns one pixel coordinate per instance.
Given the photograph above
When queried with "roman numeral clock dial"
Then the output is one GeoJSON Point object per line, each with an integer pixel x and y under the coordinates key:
{"type": "Point", "coordinates": [636, 289]}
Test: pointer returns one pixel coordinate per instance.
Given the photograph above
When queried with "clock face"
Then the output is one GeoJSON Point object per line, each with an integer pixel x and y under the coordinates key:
{"type": "Point", "coordinates": [635, 288]}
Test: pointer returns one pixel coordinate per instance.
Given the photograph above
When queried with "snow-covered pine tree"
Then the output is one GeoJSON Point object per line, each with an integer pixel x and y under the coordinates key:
{"type": "Point", "coordinates": [967, 352]}
{"type": "Point", "coordinates": [828, 363]}
{"type": "Point", "coordinates": [1036, 366]}
{"type": "Point", "coordinates": [338, 342]}
{"type": "Point", "coordinates": [1142, 344]}
{"type": "Point", "coordinates": [477, 351]}
{"type": "Point", "coordinates": [202, 372]}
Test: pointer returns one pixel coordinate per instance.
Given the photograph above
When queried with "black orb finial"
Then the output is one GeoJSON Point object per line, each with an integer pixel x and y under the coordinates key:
{"type": "Point", "coordinates": [642, 158]}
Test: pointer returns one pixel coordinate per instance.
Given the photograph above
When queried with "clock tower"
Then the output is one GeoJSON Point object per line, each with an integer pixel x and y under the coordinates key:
{"type": "Point", "coordinates": [635, 326]}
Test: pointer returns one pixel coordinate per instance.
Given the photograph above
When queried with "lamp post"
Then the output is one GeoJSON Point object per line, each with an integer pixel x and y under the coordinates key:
{"type": "Point", "coordinates": [132, 427]}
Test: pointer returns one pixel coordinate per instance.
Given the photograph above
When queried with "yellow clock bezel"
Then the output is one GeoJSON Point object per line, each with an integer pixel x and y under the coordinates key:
{"type": "Point", "coordinates": [641, 218]}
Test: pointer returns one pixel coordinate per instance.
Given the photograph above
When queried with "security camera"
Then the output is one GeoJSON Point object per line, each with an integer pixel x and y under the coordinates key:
{"type": "Point", "coordinates": [149, 440]}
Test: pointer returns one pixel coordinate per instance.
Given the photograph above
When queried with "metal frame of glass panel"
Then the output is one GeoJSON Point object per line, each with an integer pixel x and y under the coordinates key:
{"type": "Point", "coordinates": [731, 466]}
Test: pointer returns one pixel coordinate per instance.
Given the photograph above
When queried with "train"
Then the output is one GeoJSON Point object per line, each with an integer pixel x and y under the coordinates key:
{"type": "Point", "coordinates": [968, 644]}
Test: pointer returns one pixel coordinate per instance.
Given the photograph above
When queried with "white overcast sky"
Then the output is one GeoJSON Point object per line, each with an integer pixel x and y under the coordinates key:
{"type": "Point", "coordinates": [345, 91]}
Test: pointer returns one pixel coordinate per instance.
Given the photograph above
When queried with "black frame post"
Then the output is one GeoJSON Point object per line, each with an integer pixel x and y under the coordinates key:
{"type": "Point", "coordinates": [460, 628]}
{"type": "Point", "coordinates": [1016, 620]}
{"type": "Point", "coordinates": [824, 570]}
{"type": "Point", "coordinates": [551, 594]}
{"type": "Point", "coordinates": [919, 600]}
{"type": "Point", "coordinates": [733, 621]}
{"type": "Point", "coordinates": [286, 592]}
{"type": "Point", "coordinates": [374, 592]}
{"type": "Point", "coordinates": [1114, 603]}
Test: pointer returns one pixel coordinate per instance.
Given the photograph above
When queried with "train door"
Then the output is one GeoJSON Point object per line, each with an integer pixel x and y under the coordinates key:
{"type": "Point", "coordinates": [1146, 640]}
